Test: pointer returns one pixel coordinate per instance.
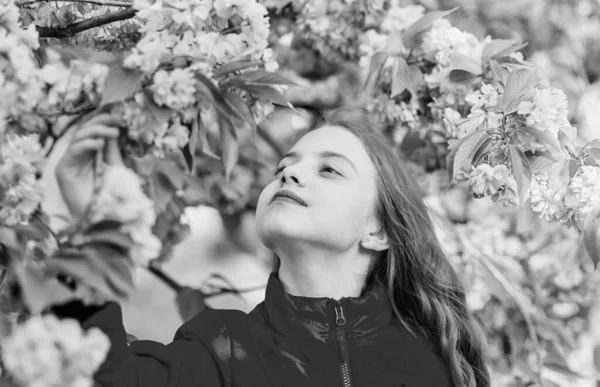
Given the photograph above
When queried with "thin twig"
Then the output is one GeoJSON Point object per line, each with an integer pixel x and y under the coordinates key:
{"type": "Point", "coordinates": [111, 3]}
{"type": "Point", "coordinates": [157, 271]}
{"type": "Point", "coordinates": [67, 127]}
{"type": "Point", "coordinates": [70, 30]}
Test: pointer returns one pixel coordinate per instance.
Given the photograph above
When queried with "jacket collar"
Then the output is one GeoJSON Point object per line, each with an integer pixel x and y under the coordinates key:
{"type": "Point", "coordinates": [307, 317]}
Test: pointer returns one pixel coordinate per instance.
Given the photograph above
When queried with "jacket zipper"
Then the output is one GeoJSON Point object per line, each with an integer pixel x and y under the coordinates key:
{"type": "Point", "coordinates": [340, 320]}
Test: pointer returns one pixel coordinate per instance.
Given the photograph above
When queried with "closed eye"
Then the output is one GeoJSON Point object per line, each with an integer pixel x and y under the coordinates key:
{"type": "Point", "coordinates": [327, 169]}
{"type": "Point", "coordinates": [323, 168]}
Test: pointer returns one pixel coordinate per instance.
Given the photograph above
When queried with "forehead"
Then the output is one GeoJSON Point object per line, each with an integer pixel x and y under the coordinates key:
{"type": "Point", "coordinates": [330, 138]}
{"type": "Point", "coordinates": [335, 139]}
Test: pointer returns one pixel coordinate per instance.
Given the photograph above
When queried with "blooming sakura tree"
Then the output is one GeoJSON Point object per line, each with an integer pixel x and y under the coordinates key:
{"type": "Point", "coordinates": [198, 70]}
{"type": "Point", "coordinates": [187, 80]}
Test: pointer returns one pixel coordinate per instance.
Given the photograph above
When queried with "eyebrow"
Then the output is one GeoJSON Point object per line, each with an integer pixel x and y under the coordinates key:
{"type": "Point", "coordinates": [324, 154]}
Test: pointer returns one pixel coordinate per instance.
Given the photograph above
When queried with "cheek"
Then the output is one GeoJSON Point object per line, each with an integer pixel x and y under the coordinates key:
{"type": "Point", "coordinates": [263, 200]}
{"type": "Point", "coordinates": [353, 210]}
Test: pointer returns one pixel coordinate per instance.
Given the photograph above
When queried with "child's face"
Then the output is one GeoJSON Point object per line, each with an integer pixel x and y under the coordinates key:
{"type": "Point", "coordinates": [331, 172]}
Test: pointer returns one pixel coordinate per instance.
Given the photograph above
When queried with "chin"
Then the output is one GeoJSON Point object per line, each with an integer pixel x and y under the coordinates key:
{"type": "Point", "coordinates": [275, 226]}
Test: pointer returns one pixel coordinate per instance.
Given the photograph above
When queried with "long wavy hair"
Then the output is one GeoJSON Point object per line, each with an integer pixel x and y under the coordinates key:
{"type": "Point", "coordinates": [415, 270]}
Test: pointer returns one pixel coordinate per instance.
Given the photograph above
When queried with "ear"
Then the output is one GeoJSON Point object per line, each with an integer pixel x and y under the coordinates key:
{"type": "Point", "coordinates": [377, 241]}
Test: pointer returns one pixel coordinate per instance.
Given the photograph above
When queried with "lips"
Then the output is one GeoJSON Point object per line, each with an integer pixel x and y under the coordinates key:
{"type": "Point", "coordinates": [290, 195]}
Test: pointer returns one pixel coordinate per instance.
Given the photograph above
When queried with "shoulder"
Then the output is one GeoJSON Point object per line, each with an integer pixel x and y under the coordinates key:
{"type": "Point", "coordinates": [212, 322]}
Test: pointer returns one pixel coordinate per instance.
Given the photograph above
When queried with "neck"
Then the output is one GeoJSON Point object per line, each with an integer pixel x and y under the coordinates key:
{"type": "Point", "coordinates": [324, 274]}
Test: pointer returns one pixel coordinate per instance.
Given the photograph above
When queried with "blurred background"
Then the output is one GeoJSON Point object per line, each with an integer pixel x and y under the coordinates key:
{"type": "Point", "coordinates": [529, 283]}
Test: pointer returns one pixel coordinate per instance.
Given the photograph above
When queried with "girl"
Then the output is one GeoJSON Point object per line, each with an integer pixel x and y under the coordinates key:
{"type": "Point", "coordinates": [362, 294]}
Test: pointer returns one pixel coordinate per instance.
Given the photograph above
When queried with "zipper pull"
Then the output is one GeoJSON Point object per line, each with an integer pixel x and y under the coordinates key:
{"type": "Point", "coordinates": [339, 315]}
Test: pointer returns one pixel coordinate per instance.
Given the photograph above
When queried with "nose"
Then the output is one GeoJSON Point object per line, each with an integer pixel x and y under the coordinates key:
{"type": "Point", "coordinates": [292, 175]}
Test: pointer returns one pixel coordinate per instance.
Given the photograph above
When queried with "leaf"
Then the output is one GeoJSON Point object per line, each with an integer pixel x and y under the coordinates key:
{"type": "Point", "coordinates": [80, 270]}
{"type": "Point", "coordinates": [500, 72]}
{"type": "Point", "coordinates": [521, 170]}
{"type": "Point", "coordinates": [543, 136]}
{"type": "Point", "coordinates": [499, 48]}
{"type": "Point", "coordinates": [195, 193]}
{"type": "Point", "coordinates": [591, 235]}
{"type": "Point", "coordinates": [594, 153]}
{"type": "Point", "coordinates": [573, 166]}
{"type": "Point", "coordinates": [236, 102]}
{"type": "Point", "coordinates": [519, 87]}
{"type": "Point", "coordinates": [375, 69]}
{"type": "Point", "coordinates": [190, 302]}
{"type": "Point", "coordinates": [411, 36]}
{"type": "Point", "coordinates": [190, 148]}
{"type": "Point", "coordinates": [229, 146]}
{"type": "Point", "coordinates": [415, 78]}
{"type": "Point", "coordinates": [222, 107]}
{"type": "Point", "coordinates": [166, 178]}
{"type": "Point", "coordinates": [463, 69]}
{"type": "Point", "coordinates": [39, 292]}
{"type": "Point", "coordinates": [540, 161]}
{"type": "Point", "coordinates": [159, 116]}
{"type": "Point", "coordinates": [466, 150]}
{"type": "Point", "coordinates": [120, 83]}
{"type": "Point", "coordinates": [268, 93]}
{"type": "Point", "coordinates": [115, 267]}
{"type": "Point", "coordinates": [460, 61]}
{"type": "Point", "coordinates": [461, 76]}
{"type": "Point", "coordinates": [594, 143]}
{"type": "Point", "coordinates": [203, 138]}
{"type": "Point", "coordinates": [401, 77]}
{"type": "Point", "coordinates": [259, 78]}
{"type": "Point", "coordinates": [32, 230]}
{"type": "Point", "coordinates": [113, 237]}
{"type": "Point", "coordinates": [104, 225]}
{"type": "Point", "coordinates": [234, 66]}
{"type": "Point", "coordinates": [450, 162]}
{"type": "Point", "coordinates": [480, 149]}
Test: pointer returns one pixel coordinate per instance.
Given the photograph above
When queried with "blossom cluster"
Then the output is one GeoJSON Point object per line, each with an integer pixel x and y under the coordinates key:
{"type": "Point", "coordinates": [122, 199]}
{"type": "Point", "coordinates": [570, 203]}
{"type": "Point", "coordinates": [199, 30]}
{"type": "Point", "coordinates": [538, 126]}
{"type": "Point", "coordinates": [47, 352]}
{"type": "Point", "coordinates": [21, 192]}
{"type": "Point", "coordinates": [68, 87]}
{"type": "Point", "coordinates": [439, 44]}
{"type": "Point", "coordinates": [346, 30]}
{"type": "Point", "coordinates": [200, 34]}
{"type": "Point", "coordinates": [19, 87]}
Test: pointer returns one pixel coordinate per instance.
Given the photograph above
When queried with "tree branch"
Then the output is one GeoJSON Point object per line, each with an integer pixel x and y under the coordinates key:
{"type": "Point", "coordinates": [111, 3]}
{"type": "Point", "coordinates": [70, 30]}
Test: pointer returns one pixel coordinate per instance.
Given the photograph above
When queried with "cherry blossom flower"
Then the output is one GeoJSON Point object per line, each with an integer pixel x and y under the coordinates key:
{"type": "Point", "coordinates": [20, 191]}
{"type": "Point", "coordinates": [47, 352]}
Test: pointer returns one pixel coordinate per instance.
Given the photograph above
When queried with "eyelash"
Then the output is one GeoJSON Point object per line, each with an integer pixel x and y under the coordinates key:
{"type": "Point", "coordinates": [279, 169]}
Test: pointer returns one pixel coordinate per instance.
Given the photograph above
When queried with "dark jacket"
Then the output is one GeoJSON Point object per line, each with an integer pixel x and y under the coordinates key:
{"type": "Point", "coordinates": [286, 341]}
